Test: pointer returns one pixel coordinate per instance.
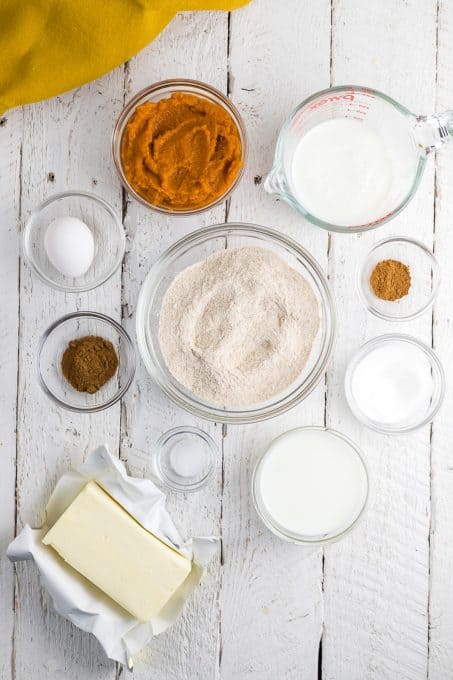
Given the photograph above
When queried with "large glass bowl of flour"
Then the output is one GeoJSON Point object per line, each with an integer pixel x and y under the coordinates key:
{"type": "Point", "coordinates": [196, 248]}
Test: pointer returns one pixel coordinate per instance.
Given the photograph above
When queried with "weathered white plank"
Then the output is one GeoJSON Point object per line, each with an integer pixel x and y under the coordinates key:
{"type": "Point", "coordinates": [194, 46]}
{"type": "Point", "coordinates": [271, 591]}
{"type": "Point", "coordinates": [376, 580]}
{"type": "Point", "coordinates": [441, 592]}
{"type": "Point", "coordinates": [10, 165]}
{"type": "Point", "coordinates": [66, 144]}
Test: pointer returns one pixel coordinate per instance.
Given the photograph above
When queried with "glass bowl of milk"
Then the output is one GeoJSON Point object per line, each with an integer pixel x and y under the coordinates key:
{"type": "Point", "coordinates": [310, 486]}
{"type": "Point", "coordinates": [350, 158]}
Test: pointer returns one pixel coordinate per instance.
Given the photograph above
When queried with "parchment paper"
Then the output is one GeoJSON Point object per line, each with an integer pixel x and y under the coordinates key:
{"type": "Point", "coordinates": [74, 597]}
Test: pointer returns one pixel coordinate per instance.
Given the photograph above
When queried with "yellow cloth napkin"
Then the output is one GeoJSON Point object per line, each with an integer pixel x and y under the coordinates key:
{"type": "Point", "coordinates": [50, 46]}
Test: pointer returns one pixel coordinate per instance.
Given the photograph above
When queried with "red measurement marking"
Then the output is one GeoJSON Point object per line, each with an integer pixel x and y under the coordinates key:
{"type": "Point", "coordinates": [349, 97]}
{"type": "Point", "coordinates": [383, 217]}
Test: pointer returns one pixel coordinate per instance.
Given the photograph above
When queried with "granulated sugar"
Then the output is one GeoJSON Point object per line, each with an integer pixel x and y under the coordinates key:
{"type": "Point", "coordinates": [393, 383]}
{"type": "Point", "coordinates": [237, 328]}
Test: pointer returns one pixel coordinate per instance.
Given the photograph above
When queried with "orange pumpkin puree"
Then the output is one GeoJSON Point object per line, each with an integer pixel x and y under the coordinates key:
{"type": "Point", "coordinates": [181, 153]}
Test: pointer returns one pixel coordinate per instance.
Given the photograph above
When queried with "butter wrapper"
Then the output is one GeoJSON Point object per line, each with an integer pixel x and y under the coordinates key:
{"type": "Point", "coordinates": [74, 597]}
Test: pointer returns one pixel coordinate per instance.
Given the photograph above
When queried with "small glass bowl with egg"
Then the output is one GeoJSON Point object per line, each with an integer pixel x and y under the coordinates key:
{"type": "Point", "coordinates": [74, 241]}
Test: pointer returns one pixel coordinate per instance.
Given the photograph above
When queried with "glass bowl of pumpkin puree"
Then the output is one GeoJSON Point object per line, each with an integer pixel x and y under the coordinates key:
{"type": "Point", "coordinates": [179, 147]}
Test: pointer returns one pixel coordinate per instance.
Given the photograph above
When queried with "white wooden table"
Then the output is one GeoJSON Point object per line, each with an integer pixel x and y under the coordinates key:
{"type": "Point", "coordinates": [379, 604]}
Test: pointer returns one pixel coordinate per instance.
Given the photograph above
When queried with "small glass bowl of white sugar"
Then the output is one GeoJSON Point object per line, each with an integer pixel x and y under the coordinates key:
{"type": "Point", "coordinates": [395, 384]}
{"type": "Point", "coordinates": [74, 241]}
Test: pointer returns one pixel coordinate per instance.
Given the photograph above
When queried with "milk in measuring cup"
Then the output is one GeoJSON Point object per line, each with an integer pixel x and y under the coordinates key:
{"type": "Point", "coordinates": [342, 172]}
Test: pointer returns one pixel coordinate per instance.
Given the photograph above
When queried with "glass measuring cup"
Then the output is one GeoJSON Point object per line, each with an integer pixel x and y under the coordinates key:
{"type": "Point", "coordinates": [408, 138]}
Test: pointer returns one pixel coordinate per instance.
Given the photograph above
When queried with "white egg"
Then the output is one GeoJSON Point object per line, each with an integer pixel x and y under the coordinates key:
{"type": "Point", "coordinates": [69, 246]}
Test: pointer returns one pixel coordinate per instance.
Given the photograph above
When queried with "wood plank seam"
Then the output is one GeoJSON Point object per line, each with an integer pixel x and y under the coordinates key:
{"type": "Point", "coordinates": [326, 378]}
{"type": "Point", "coordinates": [123, 425]}
{"type": "Point", "coordinates": [224, 425]}
{"type": "Point", "coordinates": [431, 428]}
{"type": "Point", "coordinates": [16, 583]}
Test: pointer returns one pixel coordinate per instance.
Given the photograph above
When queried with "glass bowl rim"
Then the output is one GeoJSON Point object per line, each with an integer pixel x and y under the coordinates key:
{"type": "Point", "coordinates": [130, 351]}
{"type": "Point", "coordinates": [213, 457]}
{"type": "Point", "coordinates": [436, 278]}
{"type": "Point", "coordinates": [164, 85]}
{"type": "Point", "coordinates": [364, 351]}
{"type": "Point", "coordinates": [207, 411]}
{"type": "Point", "coordinates": [38, 210]}
{"type": "Point", "coordinates": [296, 538]}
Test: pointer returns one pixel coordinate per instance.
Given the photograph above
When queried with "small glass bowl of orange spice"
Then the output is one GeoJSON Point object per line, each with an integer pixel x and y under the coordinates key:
{"type": "Point", "coordinates": [398, 279]}
{"type": "Point", "coordinates": [179, 147]}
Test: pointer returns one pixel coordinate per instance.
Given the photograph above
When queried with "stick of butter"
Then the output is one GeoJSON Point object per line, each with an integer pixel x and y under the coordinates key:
{"type": "Point", "coordinates": [99, 539]}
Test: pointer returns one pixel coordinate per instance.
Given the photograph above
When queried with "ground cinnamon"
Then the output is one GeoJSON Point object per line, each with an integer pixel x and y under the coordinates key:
{"type": "Point", "coordinates": [89, 362]}
{"type": "Point", "coordinates": [390, 280]}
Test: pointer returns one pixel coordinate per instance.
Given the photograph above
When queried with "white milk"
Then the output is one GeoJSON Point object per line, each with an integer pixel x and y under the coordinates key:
{"type": "Point", "coordinates": [342, 172]}
{"type": "Point", "coordinates": [311, 483]}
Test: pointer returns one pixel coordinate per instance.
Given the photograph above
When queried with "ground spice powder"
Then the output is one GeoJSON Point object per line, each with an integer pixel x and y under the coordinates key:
{"type": "Point", "coordinates": [89, 362]}
{"type": "Point", "coordinates": [390, 280]}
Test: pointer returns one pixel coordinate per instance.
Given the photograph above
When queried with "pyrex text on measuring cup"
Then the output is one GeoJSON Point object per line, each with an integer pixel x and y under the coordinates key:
{"type": "Point", "coordinates": [350, 158]}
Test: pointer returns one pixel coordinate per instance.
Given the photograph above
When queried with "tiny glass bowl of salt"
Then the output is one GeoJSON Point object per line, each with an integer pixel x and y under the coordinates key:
{"type": "Point", "coordinates": [185, 458]}
{"type": "Point", "coordinates": [395, 384]}
{"type": "Point", "coordinates": [398, 279]}
{"type": "Point", "coordinates": [74, 241]}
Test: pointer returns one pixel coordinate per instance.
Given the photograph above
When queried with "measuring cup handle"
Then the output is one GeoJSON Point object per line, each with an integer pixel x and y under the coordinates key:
{"type": "Point", "coordinates": [273, 183]}
{"type": "Point", "coordinates": [431, 132]}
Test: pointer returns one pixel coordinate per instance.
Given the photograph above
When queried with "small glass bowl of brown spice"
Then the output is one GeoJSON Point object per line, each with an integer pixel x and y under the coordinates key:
{"type": "Point", "coordinates": [86, 362]}
{"type": "Point", "coordinates": [398, 279]}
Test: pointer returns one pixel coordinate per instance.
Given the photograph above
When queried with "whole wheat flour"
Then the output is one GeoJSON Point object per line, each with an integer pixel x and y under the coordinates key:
{"type": "Point", "coordinates": [237, 328]}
